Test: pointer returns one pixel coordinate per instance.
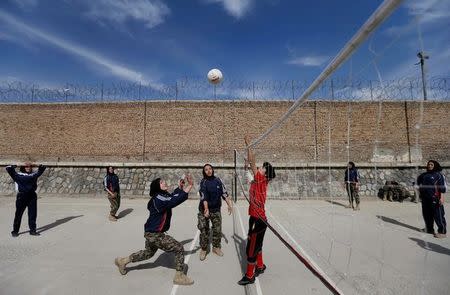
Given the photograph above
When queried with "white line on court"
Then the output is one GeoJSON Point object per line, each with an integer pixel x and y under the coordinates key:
{"type": "Point", "coordinates": [186, 259]}
{"type": "Point", "coordinates": [303, 252]}
{"type": "Point", "coordinates": [258, 286]}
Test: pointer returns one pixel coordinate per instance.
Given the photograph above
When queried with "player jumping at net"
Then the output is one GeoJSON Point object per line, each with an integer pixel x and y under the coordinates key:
{"type": "Point", "coordinates": [212, 191]}
{"type": "Point", "coordinates": [26, 185]}
{"type": "Point", "coordinates": [257, 221]}
{"type": "Point", "coordinates": [160, 207]}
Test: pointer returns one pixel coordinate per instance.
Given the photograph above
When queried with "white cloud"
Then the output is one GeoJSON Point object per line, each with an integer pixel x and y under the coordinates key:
{"type": "Point", "coordinates": [88, 55]}
{"type": "Point", "coordinates": [236, 8]}
{"type": "Point", "coordinates": [308, 61]}
{"type": "Point", "coordinates": [150, 12]}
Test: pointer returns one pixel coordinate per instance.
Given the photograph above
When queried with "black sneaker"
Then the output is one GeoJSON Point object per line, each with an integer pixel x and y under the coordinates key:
{"type": "Point", "coordinates": [14, 234]}
{"type": "Point", "coordinates": [245, 281]}
{"type": "Point", "coordinates": [34, 233]}
{"type": "Point", "coordinates": [261, 270]}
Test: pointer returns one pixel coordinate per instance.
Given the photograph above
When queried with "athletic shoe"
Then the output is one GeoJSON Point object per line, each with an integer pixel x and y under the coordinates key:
{"type": "Point", "coordinates": [34, 233]}
{"type": "Point", "coordinates": [440, 236]}
{"type": "Point", "coordinates": [245, 281]}
{"type": "Point", "coordinates": [261, 270]}
{"type": "Point", "coordinates": [14, 234]}
{"type": "Point", "coordinates": [202, 255]}
{"type": "Point", "coordinates": [217, 251]}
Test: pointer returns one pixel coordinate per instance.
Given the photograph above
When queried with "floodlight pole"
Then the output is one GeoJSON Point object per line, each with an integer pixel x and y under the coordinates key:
{"type": "Point", "coordinates": [422, 56]}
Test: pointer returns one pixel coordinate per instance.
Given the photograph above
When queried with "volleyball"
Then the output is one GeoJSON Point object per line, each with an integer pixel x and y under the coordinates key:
{"type": "Point", "coordinates": [215, 76]}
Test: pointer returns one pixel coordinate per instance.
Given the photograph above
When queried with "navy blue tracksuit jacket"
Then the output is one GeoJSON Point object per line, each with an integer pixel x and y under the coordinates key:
{"type": "Point", "coordinates": [160, 208]}
{"type": "Point", "coordinates": [213, 191]}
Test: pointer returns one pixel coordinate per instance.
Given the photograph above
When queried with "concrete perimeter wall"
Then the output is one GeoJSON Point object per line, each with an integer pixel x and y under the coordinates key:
{"type": "Point", "coordinates": [388, 140]}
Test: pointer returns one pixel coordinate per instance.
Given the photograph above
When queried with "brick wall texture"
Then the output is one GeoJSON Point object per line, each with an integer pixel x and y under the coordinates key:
{"type": "Point", "coordinates": [199, 132]}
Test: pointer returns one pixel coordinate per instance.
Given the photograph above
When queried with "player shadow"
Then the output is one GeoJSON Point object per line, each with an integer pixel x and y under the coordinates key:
{"type": "Point", "coordinates": [240, 244]}
{"type": "Point", "coordinates": [53, 224]}
{"type": "Point", "coordinates": [225, 238]}
{"type": "Point", "coordinates": [336, 203]}
{"type": "Point", "coordinates": [431, 246]}
{"type": "Point", "coordinates": [166, 259]}
{"type": "Point", "coordinates": [396, 222]}
{"type": "Point", "coordinates": [124, 213]}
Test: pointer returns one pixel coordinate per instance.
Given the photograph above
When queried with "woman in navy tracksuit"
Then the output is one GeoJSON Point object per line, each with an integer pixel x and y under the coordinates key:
{"type": "Point", "coordinates": [432, 186]}
{"type": "Point", "coordinates": [26, 185]}
{"type": "Point", "coordinates": [212, 191]}
{"type": "Point", "coordinates": [351, 180]}
{"type": "Point", "coordinates": [158, 223]}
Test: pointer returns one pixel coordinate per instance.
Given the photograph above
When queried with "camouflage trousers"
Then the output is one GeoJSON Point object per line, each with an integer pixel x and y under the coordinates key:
{"type": "Point", "coordinates": [155, 241]}
{"type": "Point", "coordinates": [352, 193]}
{"type": "Point", "coordinates": [115, 203]}
{"type": "Point", "coordinates": [203, 226]}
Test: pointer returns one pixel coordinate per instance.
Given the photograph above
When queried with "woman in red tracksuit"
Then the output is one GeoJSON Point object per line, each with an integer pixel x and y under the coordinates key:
{"type": "Point", "coordinates": [257, 222]}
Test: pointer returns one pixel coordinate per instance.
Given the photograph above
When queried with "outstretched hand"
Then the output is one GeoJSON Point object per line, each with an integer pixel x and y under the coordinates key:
{"type": "Point", "coordinates": [247, 140]}
{"type": "Point", "coordinates": [190, 183]}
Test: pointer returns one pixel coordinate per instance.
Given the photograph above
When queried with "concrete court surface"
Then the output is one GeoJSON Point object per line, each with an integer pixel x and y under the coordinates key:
{"type": "Point", "coordinates": [378, 250]}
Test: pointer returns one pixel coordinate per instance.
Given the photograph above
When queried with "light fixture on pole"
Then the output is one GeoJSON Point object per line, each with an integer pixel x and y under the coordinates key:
{"type": "Point", "coordinates": [422, 56]}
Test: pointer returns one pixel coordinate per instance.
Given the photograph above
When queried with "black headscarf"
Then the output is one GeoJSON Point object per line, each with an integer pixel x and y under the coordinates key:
{"type": "Point", "coordinates": [22, 168]}
{"type": "Point", "coordinates": [437, 167]}
{"type": "Point", "coordinates": [270, 171]}
{"type": "Point", "coordinates": [107, 170]}
{"type": "Point", "coordinates": [155, 188]}
{"type": "Point", "coordinates": [204, 174]}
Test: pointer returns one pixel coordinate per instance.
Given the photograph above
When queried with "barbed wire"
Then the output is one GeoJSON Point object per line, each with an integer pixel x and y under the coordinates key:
{"type": "Point", "coordinates": [438, 89]}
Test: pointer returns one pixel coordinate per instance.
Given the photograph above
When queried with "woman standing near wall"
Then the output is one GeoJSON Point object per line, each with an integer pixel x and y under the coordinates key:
{"type": "Point", "coordinates": [432, 186]}
{"type": "Point", "coordinates": [26, 185]}
{"type": "Point", "coordinates": [351, 180]}
{"type": "Point", "coordinates": [112, 187]}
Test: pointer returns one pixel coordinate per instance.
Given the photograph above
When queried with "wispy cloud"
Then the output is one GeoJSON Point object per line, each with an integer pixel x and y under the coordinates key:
{"type": "Point", "coordinates": [26, 4]}
{"type": "Point", "coordinates": [236, 8]}
{"type": "Point", "coordinates": [118, 12]}
{"type": "Point", "coordinates": [426, 13]}
{"type": "Point", "coordinates": [429, 10]}
{"type": "Point", "coordinates": [308, 61]}
{"type": "Point", "coordinates": [88, 55]}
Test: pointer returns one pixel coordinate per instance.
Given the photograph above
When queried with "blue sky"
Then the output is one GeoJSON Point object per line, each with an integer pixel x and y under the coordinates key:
{"type": "Point", "coordinates": [157, 42]}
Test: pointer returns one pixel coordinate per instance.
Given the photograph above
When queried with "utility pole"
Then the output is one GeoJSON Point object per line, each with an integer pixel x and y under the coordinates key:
{"type": "Point", "coordinates": [422, 56]}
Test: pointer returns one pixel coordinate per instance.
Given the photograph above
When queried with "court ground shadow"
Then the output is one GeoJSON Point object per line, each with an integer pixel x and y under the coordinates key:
{"type": "Point", "coordinates": [431, 246]}
{"type": "Point", "coordinates": [396, 222]}
{"type": "Point", "coordinates": [166, 259]}
{"type": "Point", "coordinates": [53, 224]}
{"type": "Point", "coordinates": [240, 244]}
{"type": "Point", "coordinates": [336, 203]}
{"type": "Point", "coordinates": [124, 213]}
